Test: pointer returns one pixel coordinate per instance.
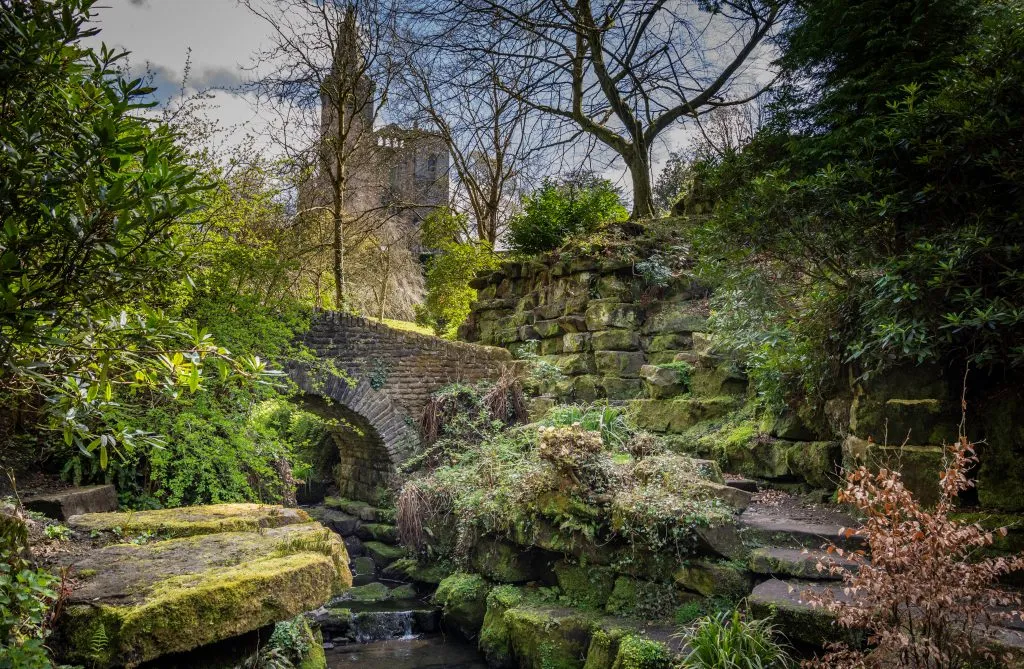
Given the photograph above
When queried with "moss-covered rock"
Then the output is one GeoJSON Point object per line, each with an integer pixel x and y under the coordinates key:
{"type": "Point", "coordinates": [387, 534]}
{"type": "Point", "coordinates": [669, 317]}
{"type": "Point", "coordinates": [643, 599]}
{"type": "Point", "coordinates": [714, 579]}
{"type": "Point", "coordinates": [495, 638]}
{"type": "Point", "coordinates": [672, 341]}
{"type": "Point", "coordinates": [677, 415]}
{"type": "Point", "coordinates": [362, 510]}
{"type": "Point", "coordinates": [920, 466]}
{"type": "Point", "coordinates": [172, 596]}
{"type": "Point", "coordinates": [576, 342]}
{"type": "Point", "coordinates": [548, 638]}
{"type": "Point", "coordinates": [409, 569]}
{"type": "Point", "coordinates": [636, 652]}
{"type": "Point", "coordinates": [615, 340]}
{"type": "Point", "coordinates": [662, 382]}
{"type": "Point", "coordinates": [921, 422]}
{"type": "Point", "coordinates": [191, 520]}
{"type": "Point", "coordinates": [625, 364]}
{"type": "Point", "coordinates": [605, 315]}
{"type": "Point", "coordinates": [463, 598]}
{"type": "Point", "coordinates": [383, 554]}
{"type": "Point", "coordinates": [618, 388]}
{"type": "Point", "coordinates": [586, 586]}
{"type": "Point", "coordinates": [371, 592]}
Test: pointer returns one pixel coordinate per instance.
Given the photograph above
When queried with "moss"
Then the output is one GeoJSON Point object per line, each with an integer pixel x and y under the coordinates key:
{"type": "Point", "coordinates": [192, 520]}
{"type": "Point", "coordinates": [543, 638]}
{"type": "Point", "coordinates": [379, 532]}
{"type": "Point", "coordinates": [409, 569]}
{"type": "Point", "coordinates": [503, 562]}
{"type": "Point", "coordinates": [585, 586]}
{"type": "Point", "coordinates": [406, 591]}
{"type": "Point", "coordinates": [714, 579]}
{"type": "Point", "coordinates": [643, 599]}
{"type": "Point", "coordinates": [371, 592]}
{"type": "Point", "coordinates": [186, 612]}
{"type": "Point", "coordinates": [362, 510]}
{"type": "Point", "coordinates": [636, 652]}
{"type": "Point", "coordinates": [383, 554]}
{"type": "Point", "coordinates": [602, 651]}
{"type": "Point", "coordinates": [463, 598]}
{"type": "Point", "coordinates": [678, 415]}
{"type": "Point", "coordinates": [495, 641]}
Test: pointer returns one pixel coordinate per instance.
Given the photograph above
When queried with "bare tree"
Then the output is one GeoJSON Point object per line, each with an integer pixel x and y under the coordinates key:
{"type": "Point", "coordinates": [326, 74]}
{"type": "Point", "coordinates": [494, 138]}
{"type": "Point", "coordinates": [622, 71]}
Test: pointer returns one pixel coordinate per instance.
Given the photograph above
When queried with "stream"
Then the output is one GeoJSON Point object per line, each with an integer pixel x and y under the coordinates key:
{"type": "Point", "coordinates": [428, 652]}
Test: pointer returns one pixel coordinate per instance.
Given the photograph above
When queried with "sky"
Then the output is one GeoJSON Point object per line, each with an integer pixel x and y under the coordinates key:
{"type": "Point", "coordinates": [220, 37]}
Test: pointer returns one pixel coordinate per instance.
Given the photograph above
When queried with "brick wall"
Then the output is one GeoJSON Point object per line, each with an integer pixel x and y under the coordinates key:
{"type": "Point", "coordinates": [405, 366]}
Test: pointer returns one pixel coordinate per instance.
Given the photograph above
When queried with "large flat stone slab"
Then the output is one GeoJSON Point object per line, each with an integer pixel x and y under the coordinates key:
{"type": "Point", "coordinates": [799, 563]}
{"type": "Point", "coordinates": [191, 520]}
{"type": "Point", "coordinates": [63, 504]}
{"type": "Point", "coordinates": [132, 603]}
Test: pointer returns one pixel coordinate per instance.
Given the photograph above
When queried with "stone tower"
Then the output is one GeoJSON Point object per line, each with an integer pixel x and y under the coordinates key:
{"type": "Point", "coordinates": [393, 174]}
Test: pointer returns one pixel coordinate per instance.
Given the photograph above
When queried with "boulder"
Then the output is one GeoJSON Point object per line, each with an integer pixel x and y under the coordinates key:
{"type": "Point", "coordinates": [677, 415]}
{"type": "Point", "coordinates": [669, 317]}
{"type": "Point", "coordinates": [714, 579]}
{"type": "Point", "coordinates": [132, 603]}
{"type": "Point", "coordinates": [63, 504]}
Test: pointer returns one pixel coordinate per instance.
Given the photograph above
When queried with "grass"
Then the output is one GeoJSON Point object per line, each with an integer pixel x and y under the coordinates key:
{"type": "Point", "coordinates": [406, 326]}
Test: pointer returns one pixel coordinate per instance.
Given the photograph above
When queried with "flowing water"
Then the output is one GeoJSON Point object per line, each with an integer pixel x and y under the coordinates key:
{"type": "Point", "coordinates": [430, 652]}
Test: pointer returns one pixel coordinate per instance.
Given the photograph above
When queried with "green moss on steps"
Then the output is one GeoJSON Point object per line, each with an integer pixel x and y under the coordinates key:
{"type": "Point", "coordinates": [362, 510]}
{"type": "Point", "coordinates": [383, 554]}
{"type": "Point", "coordinates": [636, 652]}
{"type": "Point", "coordinates": [463, 598]}
{"type": "Point", "coordinates": [408, 569]}
{"type": "Point", "coordinates": [192, 520]}
{"type": "Point", "coordinates": [714, 579]}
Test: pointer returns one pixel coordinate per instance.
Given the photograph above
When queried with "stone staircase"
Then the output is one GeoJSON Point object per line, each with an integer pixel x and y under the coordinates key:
{"type": "Point", "coordinates": [786, 541]}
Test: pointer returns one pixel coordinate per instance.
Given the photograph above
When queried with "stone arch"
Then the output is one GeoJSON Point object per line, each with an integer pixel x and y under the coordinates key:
{"type": "Point", "coordinates": [384, 436]}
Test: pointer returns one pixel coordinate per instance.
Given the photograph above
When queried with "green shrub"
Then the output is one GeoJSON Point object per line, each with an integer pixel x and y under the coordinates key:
{"type": "Point", "coordinates": [558, 210]}
{"type": "Point", "coordinates": [731, 641]}
{"type": "Point", "coordinates": [610, 421]}
{"type": "Point", "coordinates": [457, 262]}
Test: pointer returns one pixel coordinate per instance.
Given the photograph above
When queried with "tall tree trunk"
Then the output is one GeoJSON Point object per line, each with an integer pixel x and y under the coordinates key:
{"type": "Point", "coordinates": [643, 194]}
{"type": "Point", "coordinates": [339, 212]}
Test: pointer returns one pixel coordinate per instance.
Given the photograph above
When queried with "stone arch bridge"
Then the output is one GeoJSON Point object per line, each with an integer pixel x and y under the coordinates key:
{"type": "Point", "coordinates": [393, 373]}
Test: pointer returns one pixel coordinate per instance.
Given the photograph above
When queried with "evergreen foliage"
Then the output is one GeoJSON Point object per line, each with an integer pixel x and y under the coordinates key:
{"type": "Point", "coordinates": [561, 209]}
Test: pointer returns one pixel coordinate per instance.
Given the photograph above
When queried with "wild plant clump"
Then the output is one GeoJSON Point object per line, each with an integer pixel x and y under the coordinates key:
{"type": "Point", "coordinates": [526, 483]}
{"type": "Point", "coordinates": [569, 449]}
{"type": "Point", "coordinates": [734, 641]}
{"type": "Point", "coordinates": [925, 596]}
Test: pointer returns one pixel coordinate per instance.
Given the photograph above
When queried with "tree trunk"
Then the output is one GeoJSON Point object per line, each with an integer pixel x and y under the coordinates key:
{"type": "Point", "coordinates": [643, 194]}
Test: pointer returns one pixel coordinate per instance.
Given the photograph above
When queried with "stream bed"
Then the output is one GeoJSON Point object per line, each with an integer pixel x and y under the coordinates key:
{"type": "Point", "coordinates": [428, 652]}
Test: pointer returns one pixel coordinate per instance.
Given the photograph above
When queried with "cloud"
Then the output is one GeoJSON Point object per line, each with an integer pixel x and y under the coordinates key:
{"type": "Point", "coordinates": [168, 81]}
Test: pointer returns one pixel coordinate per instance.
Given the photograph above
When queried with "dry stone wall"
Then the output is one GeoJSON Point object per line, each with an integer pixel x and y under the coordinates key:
{"type": "Point", "coordinates": [595, 320]}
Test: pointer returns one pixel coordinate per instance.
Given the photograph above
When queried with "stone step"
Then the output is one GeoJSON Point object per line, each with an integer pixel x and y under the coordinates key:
{"type": "Point", "coordinates": [746, 485]}
{"type": "Point", "coordinates": [798, 563]}
{"type": "Point", "coordinates": [789, 603]}
{"type": "Point", "coordinates": [63, 504]}
{"type": "Point", "coordinates": [768, 526]}
{"type": "Point", "coordinates": [383, 554]}
{"type": "Point", "coordinates": [385, 534]}
{"type": "Point", "coordinates": [364, 511]}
